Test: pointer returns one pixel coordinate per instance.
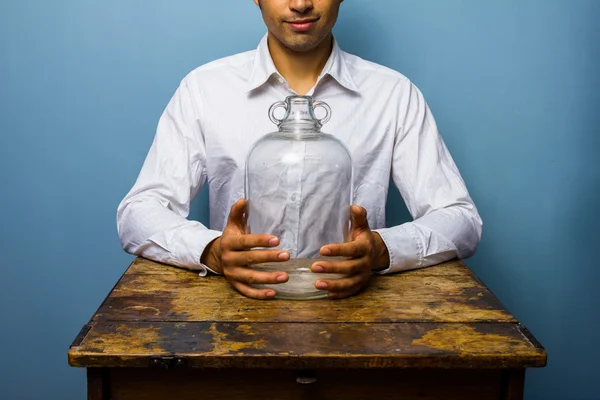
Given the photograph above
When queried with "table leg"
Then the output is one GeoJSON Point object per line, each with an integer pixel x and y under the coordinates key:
{"type": "Point", "coordinates": [98, 384]}
{"type": "Point", "coordinates": [513, 385]}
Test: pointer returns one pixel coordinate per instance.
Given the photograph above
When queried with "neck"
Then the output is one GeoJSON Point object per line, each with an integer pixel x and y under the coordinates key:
{"type": "Point", "coordinates": [300, 69]}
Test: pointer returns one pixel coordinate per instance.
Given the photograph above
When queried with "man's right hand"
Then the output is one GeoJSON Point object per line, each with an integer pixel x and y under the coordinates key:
{"type": "Point", "coordinates": [232, 253]}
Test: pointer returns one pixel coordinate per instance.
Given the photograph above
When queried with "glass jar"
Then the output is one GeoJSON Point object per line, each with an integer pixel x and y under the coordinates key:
{"type": "Point", "coordinates": [299, 188]}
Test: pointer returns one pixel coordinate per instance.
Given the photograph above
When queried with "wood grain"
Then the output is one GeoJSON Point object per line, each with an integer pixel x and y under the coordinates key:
{"type": "Point", "coordinates": [413, 296]}
{"type": "Point", "coordinates": [437, 317]}
{"type": "Point", "coordinates": [309, 345]}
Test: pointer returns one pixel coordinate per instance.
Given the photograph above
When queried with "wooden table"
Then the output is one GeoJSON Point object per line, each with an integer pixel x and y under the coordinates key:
{"type": "Point", "coordinates": [433, 333]}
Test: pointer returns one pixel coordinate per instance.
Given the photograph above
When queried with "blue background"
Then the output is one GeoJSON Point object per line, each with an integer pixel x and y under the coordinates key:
{"type": "Point", "coordinates": [514, 86]}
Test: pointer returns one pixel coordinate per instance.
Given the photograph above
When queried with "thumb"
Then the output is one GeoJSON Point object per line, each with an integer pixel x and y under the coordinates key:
{"type": "Point", "coordinates": [236, 216]}
{"type": "Point", "coordinates": [359, 219]}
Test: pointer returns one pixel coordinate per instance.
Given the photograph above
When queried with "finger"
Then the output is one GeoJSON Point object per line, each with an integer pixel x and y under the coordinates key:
{"type": "Point", "coordinates": [253, 257]}
{"type": "Point", "coordinates": [343, 284]}
{"type": "Point", "coordinates": [236, 214]}
{"type": "Point", "coordinates": [359, 218]}
{"type": "Point", "coordinates": [253, 277]}
{"type": "Point", "coordinates": [355, 249]}
{"type": "Point", "coordinates": [254, 293]}
{"type": "Point", "coordinates": [247, 242]}
{"type": "Point", "coordinates": [346, 267]}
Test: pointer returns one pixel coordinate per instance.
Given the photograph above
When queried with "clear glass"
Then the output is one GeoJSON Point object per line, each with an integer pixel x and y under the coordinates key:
{"type": "Point", "coordinates": [299, 188]}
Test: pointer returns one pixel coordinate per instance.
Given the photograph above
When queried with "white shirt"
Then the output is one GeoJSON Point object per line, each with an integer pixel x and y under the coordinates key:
{"type": "Point", "coordinates": [220, 110]}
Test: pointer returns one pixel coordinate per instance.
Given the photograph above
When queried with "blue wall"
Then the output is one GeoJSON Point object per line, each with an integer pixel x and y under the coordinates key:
{"type": "Point", "coordinates": [513, 84]}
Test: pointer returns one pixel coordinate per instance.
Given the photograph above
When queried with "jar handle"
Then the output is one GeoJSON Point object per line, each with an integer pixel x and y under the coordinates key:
{"type": "Point", "coordinates": [327, 116]}
{"type": "Point", "coordinates": [275, 106]}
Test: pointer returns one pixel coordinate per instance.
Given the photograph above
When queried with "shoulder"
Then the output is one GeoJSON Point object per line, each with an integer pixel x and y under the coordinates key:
{"type": "Point", "coordinates": [366, 72]}
{"type": "Point", "coordinates": [383, 82]}
{"type": "Point", "coordinates": [221, 70]}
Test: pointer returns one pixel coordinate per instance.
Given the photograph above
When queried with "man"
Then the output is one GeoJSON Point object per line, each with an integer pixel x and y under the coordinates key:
{"type": "Point", "coordinates": [220, 110]}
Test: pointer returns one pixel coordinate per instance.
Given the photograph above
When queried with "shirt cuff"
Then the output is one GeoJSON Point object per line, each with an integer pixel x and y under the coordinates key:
{"type": "Point", "coordinates": [403, 246]}
{"type": "Point", "coordinates": [189, 246]}
{"type": "Point", "coordinates": [206, 270]}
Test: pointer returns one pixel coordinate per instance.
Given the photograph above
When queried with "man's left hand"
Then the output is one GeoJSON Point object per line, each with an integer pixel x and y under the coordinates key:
{"type": "Point", "coordinates": [365, 252]}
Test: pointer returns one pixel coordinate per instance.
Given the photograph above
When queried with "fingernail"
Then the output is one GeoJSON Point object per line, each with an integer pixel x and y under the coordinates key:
{"type": "Point", "coordinates": [318, 268]}
{"type": "Point", "coordinates": [274, 241]}
{"type": "Point", "coordinates": [270, 293]}
{"type": "Point", "coordinates": [326, 252]}
{"type": "Point", "coordinates": [322, 285]}
{"type": "Point", "coordinates": [284, 256]}
{"type": "Point", "coordinates": [281, 278]}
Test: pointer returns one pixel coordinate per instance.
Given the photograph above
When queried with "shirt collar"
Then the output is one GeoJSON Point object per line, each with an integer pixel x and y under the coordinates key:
{"type": "Point", "coordinates": [264, 68]}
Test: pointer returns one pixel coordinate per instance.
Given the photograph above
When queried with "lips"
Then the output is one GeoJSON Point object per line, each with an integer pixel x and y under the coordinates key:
{"type": "Point", "coordinates": [302, 25]}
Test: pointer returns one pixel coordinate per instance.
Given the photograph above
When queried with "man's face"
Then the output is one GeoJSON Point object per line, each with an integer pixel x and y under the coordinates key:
{"type": "Point", "coordinates": [300, 25]}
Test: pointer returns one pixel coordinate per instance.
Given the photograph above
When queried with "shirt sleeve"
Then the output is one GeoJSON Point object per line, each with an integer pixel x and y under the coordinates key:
{"type": "Point", "coordinates": [152, 218]}
{"type": "Point", "coordinates": [446, 222]}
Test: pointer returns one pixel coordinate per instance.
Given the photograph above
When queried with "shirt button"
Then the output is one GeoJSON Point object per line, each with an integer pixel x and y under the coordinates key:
{"type": "Point", "coordinates": [294, 197]}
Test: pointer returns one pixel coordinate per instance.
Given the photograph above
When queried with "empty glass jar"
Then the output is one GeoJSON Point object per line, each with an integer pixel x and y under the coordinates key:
{"type": "Point", "coordinates": [299, 188]}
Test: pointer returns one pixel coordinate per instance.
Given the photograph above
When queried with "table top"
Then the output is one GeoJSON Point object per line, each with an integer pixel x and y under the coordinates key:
{"type": "Point", "coordinates": [435, 317]}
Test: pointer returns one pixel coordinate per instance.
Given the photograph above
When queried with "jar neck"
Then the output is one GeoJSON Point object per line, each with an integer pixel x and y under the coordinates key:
{"type": "Point", "coordinates": [299, 116]}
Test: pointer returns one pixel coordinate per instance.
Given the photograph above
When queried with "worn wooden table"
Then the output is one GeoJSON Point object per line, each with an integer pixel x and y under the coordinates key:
{"type": "Point", "coordinates": [434, 333]}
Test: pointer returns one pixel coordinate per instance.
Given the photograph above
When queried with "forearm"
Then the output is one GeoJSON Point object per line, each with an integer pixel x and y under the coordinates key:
{"type": "Point", "coordinates": [148, 229]}
{"type": "Point", "coordinates": [439, 236]}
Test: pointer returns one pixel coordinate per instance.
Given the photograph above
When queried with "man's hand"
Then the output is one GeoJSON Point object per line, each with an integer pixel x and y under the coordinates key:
{"type": "Point", "coordinates": [366, 251]}
{"type": "Point", "coordinates": [231, 254]}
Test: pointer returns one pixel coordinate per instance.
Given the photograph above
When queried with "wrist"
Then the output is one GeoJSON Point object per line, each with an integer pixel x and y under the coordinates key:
{"type": "Point", "coordinates": [382, 255]}
{"type": "Point", "coordinates": [211, 256]}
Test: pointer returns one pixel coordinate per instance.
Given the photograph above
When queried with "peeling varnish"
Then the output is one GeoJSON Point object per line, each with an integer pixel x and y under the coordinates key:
{"type": "Point", "coordinates": [246, 330]}
{"type": "Point", "coordinates": [222, 345]}
{"type": "Point", "coordinates": [468, 340]}
{"type": "Point", "coordinates": [141, 309]}
{"type": "Point", "coordinates": [124, 340]}
{"type": "Point", "coordinates": [460, 298]}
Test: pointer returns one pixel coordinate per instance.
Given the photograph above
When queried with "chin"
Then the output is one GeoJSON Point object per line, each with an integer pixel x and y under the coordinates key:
{"type": "Point", "coordinates": [301, 44]}
{"type": "Point", "coordinates": [302, 48]}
